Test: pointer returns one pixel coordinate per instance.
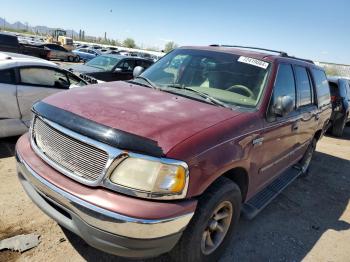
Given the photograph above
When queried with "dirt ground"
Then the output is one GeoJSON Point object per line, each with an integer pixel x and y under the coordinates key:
{"type": "Point", "coordinates": [309, 221]}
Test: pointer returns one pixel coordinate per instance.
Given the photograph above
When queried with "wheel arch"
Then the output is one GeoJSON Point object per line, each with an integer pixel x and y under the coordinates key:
{"type": "Point", "coordinates": [239, 176]}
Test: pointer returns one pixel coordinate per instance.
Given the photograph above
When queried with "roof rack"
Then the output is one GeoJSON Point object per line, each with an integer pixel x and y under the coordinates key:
{"type": "Point", "coordinates": [255, 48]}
{"type": "Point", "coordinates": [281, 53]}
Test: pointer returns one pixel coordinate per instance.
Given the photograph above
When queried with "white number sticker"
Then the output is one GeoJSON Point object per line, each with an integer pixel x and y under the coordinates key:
{"type": "Point", "coordinates": [253, 61]}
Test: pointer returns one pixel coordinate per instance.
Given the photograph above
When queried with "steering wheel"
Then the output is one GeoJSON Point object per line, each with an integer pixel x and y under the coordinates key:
{"type": "Point", "coordinates": [242, 90]}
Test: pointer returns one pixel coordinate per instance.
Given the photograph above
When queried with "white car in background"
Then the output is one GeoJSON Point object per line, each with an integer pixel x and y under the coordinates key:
{"type": "Point", "coordinates": [23, 81]}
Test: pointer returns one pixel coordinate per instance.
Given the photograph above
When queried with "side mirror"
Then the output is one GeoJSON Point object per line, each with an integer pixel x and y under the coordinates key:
{"type": "Point", "coordinates": [138, 71]}
{"type": "Point", "coordinates": [118, 69]}
{"type": "Point", "coordinates": [283, 105]}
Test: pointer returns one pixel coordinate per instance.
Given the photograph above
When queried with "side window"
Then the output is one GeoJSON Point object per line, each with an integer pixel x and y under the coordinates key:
{"type": "Point", "coordinates": [322, 87]}
{"type": "Point", "coordinates": [44, 77]}
{"type": "Point", "coordinates": [7, 76]}
{"type": "Point", "coordinates": [303, 86]}
{"type": "Point", "coordinates": [284, 84]}
{"type": "Point", "coordinates": [128, 65]}
{"type": "Point", "coordinates": [144, 64]}
{"type": "Point", "coordinates": [60, 48]}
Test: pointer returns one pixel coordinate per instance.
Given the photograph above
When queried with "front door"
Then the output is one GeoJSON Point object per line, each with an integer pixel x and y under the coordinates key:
{"type": "Point", "coordinates": [35, 84]}
{"type": "Point", "coordinates": [279, 135]}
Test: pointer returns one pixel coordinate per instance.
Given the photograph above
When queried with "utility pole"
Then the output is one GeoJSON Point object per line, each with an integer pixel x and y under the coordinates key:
{"type": "Point", "coordinates": [105, 36]}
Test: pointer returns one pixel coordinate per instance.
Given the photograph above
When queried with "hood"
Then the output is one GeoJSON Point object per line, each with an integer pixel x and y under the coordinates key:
{"type": "Point", "coordinates": [83, 69]}
{"type": "Point", "coordinates": [163, 117]}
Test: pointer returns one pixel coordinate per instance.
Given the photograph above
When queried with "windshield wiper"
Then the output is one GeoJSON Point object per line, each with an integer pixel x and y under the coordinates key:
{"type": "Point", "coordinates": [149, 82]}
{"type": "Point", "coordinates": [201, 94]}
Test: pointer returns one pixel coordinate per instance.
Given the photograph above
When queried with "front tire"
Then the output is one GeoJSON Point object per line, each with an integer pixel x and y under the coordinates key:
{"type": "Point", "coordinates": [77, 59]}
{"type": "Point", "coordinates": [212, 226]}
{"type": "Point", "coordinates": [70, 58]}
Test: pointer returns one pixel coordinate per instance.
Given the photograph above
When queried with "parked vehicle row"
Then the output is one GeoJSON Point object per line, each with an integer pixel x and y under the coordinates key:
{"type": "Point", "coordinates": [109, 67]}
{"type": "Point", "coordinates": [10, 43]}
{"type": "Point", "coordinates": [25, 80]}
{"type": "Point", "coordinates": [167, 162]}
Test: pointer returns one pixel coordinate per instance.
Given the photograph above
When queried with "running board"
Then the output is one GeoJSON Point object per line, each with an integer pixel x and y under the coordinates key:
{"type": "Point", "coordinates": [251, 208]}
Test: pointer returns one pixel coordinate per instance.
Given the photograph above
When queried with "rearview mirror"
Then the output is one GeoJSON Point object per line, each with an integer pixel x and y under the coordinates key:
{"type": "Point", "coordinates": [138, 71]}
{"type": "Point", "coordinates": [283, 105]}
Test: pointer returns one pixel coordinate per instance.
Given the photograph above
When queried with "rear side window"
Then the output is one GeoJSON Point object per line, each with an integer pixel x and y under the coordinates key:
{"type": "Point", "coordinates": [303, 86]}
{"type": "Point", "coordinates": [322, 87]}
{"type": "Point", "coordinates": [284, 84]}
{"type": "Point", "coordinates": [7, 76]}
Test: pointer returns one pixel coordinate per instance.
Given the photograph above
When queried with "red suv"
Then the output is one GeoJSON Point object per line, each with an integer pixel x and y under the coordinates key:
{"type": "Point", "coordinates": [167, 161]}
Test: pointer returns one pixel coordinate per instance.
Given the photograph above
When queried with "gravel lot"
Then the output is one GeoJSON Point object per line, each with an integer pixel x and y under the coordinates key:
{"type": "Point", "coordinates": [309, 221]}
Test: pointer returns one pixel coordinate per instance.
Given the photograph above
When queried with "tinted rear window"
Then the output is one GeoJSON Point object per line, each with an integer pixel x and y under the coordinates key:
{"type": "Point", "coordinates": [322, 86]}
{"type": "Point", "coordinates": [334, 89]}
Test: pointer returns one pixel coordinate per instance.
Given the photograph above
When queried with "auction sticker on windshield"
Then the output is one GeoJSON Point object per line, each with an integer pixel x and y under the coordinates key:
{"type": "Point", "coordinates": [253, 61]}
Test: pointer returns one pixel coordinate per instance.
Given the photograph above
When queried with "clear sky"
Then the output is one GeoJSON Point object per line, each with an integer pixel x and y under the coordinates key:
{"type": "Point", "coordinates": [315, 29]}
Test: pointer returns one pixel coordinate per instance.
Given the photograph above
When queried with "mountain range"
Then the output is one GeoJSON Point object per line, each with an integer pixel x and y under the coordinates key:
{"type": "Point", "coordinates": [35, 29]}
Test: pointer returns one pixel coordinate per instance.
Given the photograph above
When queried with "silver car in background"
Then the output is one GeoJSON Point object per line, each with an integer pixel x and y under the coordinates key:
{"type": "Point", "coordinates": [60, 53]}
{"type": "Point", "coordinates": [23, 81]}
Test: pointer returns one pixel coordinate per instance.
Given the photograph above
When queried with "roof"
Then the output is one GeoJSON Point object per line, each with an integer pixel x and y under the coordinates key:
{"type": "Point", "coordinates": [335, 79]}
{"type": "Point", "coordinates": [124, 56]}
{"type": "Point", "coordinates": [10, 60]}
{"type": "Point", "coordinates": [268, 55]}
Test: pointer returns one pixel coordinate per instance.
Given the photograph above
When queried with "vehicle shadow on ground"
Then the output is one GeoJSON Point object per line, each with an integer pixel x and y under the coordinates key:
{"type": "Point", "coordinates": [289, 227]}
{"type": "Point", "coordinates": [7, 147]}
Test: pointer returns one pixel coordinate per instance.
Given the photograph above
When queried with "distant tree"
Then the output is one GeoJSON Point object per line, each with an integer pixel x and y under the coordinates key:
{"type": "Point", "coordinates": [129, 42]}
{"type": "Point", "coordinates": [169, 46]}
{"type": "Point", "coordinates": [331, 71]}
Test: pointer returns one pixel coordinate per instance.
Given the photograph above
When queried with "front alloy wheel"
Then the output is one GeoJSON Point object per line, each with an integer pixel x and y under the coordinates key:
{"type": "Point", "coordinates": [217, 227]}
{"type": "Point", "coordinates": [212, 225]}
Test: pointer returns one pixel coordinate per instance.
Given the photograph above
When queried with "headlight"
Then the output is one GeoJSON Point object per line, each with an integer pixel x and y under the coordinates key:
{"type": "Point", "coordinates": [154, 178]}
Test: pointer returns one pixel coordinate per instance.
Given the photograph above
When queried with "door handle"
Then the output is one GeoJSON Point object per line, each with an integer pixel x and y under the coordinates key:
{"type": "Point", "coordinates": [295, 126]}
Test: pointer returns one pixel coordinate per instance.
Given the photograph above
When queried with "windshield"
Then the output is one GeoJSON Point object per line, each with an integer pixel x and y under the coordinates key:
{"type": "Point", "coordinates": [232, 79]}
{"type": "Point", "coordinates": [104, 62]}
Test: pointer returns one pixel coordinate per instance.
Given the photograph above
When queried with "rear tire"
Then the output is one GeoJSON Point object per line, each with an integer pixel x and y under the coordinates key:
{"type": "Point", "coordinates": [304, 163]}
{"type": "Point", "coordinates": [338, 127]}
{"type": "Point", "coordinates": [213, 224]}
{"type": "Point", "coordinates": [70, 58]}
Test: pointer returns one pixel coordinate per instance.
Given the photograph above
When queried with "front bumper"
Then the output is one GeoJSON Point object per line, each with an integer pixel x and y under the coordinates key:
{"type": "Point", "coordinates": [105, 230]}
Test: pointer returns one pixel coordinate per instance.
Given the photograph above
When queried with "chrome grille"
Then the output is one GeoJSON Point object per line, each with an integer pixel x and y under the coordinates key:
{"type": "Point", "coordinates": [78, 158]}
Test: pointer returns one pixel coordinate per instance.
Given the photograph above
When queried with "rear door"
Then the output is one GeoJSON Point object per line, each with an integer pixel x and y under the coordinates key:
{"type": "Point", "coordinates": [278, 138]}
{"type": "Point", "coordinates": [36, 83]}
{"type": "Point", "coordinates": [306, 126]}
